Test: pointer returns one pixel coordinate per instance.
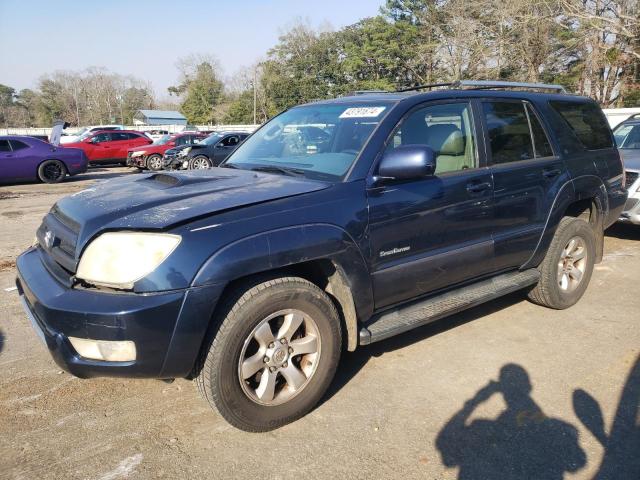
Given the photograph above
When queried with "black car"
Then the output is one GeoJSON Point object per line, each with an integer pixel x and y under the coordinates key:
{"type": "Point", "coordinates": [173, 159]}
{"type": "Point", "coordinates": [253, 278]}
{"type": "Point", "coordinates": [211, 151]}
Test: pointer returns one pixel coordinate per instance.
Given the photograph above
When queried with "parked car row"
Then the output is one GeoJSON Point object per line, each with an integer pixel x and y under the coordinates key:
{"type": "Point", "coordinates": [151, 156]}
{"type": "Point", "coordinates": [187, 151]}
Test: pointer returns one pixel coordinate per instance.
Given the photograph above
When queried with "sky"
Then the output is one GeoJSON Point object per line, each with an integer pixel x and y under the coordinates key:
{"type": "Point", "coordinates": [144, 38]}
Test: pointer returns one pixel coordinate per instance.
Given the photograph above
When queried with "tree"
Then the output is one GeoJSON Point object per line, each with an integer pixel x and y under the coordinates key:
{"type": "Point", "coordinates": [7, 95]}
{"type": "Point", "coordinates": [201, 89]}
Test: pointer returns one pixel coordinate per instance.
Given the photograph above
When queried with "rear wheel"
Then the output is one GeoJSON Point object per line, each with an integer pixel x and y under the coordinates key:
{"type": "Point", "coordinates": [199, 163]}
{"type": "Point", "coordinates": [52, 171]}
{"type": "Point", "coordinates": [568, 265]}
{"type": "Point", "coordinates": [273, 356]}
{"type": "Point", "coordinates": [154, 163]}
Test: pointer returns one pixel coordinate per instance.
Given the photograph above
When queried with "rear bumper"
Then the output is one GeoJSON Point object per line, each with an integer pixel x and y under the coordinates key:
{"type": "Point", "coordinates": [167, 327]}
{"type": "Point", "coordinates": [75, 167]}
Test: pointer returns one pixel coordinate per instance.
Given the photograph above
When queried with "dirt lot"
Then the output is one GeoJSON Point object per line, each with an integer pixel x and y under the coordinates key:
{"type": "Point", "coordinates": [422, 405]}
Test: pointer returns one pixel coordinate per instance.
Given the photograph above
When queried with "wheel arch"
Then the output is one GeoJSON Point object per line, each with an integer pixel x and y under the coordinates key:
{"type": "Point", "coordinates": [583, 197]}
{"type": "Point", "coordinates": [323, 254]}
{"type": "Point", "coordinates": [37, 176]}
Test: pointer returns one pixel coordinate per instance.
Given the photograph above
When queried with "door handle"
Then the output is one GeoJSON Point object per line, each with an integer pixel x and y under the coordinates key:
{"type": "Point", "coordinates": [478, 187]}
{"type": "Point", "coordinates": [550, 172]}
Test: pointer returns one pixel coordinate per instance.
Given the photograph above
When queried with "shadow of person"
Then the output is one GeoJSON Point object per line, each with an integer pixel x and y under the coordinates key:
{"type": "Point", "coordinates": [621, 459]}
{"type": "Point", "coordinates": [522, 443]}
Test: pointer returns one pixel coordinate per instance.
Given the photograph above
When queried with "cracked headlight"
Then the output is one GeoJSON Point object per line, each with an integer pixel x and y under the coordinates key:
{"type": "Point", "coordinates": [119, 259]}
{"type": "Point", "coordinates": [138, 154]}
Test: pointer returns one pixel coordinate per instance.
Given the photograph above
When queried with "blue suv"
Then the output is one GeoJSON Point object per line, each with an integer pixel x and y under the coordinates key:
{"type": "Point", "coordinates": [337, 224]}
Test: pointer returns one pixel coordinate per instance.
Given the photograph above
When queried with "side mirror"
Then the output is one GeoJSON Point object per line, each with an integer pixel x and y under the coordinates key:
{"type": "Point", "coordinates": [407, 162]}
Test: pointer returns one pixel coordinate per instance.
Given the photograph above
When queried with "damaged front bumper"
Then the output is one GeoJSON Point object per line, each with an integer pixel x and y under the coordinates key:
{"type": "Point", "coordinates": [167, 328]}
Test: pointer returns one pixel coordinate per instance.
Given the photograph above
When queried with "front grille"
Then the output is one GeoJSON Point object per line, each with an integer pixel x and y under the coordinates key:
{"type": "Point", "coordinates": [57, 237]}
{"type": "Point", "coordinates": [631, 179]}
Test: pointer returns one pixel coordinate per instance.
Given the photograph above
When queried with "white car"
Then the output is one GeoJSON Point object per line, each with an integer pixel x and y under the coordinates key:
{"type": "Point", "coordinates": [86, 131]}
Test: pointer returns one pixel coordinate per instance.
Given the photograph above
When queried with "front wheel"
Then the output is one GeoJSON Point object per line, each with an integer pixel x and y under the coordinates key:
{"type": "Point", "coordinates": [52, 171]}
{"type": "Point", "coordinates": [273, 356]}
{"type": "Point", "coordinates": [566, 269]}
{"type": "Point", "coordinates": [154, 163]}
{"type": "Point", "coordinates": [199, 163]}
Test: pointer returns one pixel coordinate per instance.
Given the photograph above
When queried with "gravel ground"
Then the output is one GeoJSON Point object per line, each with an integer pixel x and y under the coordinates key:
{"type": "Point", "coordinates": [506, 390]}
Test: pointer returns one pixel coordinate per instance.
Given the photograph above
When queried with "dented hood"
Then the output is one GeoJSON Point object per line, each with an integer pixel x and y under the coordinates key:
{"type": "Point", "coordinates": [161, 200]}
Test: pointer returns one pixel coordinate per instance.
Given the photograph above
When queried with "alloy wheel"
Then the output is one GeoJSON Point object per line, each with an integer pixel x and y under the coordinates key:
{"type": "Point", "coordinates": [275, 367]}
{"type": "Point", "coordinates": [572, 264]}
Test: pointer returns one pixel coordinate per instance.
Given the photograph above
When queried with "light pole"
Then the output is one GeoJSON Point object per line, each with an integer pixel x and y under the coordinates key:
{"type": "Point", "coordinates": [255, 93]}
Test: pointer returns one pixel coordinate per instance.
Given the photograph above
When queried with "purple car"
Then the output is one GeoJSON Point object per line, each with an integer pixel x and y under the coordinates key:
{"type": "Point", "coordinates": [27, 158]}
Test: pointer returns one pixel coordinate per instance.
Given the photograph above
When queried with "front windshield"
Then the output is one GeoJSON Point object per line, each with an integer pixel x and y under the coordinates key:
{"type": "Point", "coordinates": [318, 141]}
{"type": "Point", "coordinates": [627, 136]}
{"type": "Point", "coordinates": [162, 140]}
{"type": "Point", "coordinates": [211, 139]}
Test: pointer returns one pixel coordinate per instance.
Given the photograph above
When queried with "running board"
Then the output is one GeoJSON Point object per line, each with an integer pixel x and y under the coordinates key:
{"type": "Point", "coordinates": [404, 318]}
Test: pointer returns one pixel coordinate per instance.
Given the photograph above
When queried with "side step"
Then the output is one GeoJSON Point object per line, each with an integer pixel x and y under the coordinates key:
{"type": "Point", "coordinates": [404, 318]}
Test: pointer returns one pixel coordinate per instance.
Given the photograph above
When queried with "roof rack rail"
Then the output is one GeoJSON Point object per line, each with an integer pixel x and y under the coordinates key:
{"type": "Point", "coordinates": [420, 87]}
{"type": "Point", "coordinates": [486, 84]}
{"type": "Point", "coordinates": [366, 92]}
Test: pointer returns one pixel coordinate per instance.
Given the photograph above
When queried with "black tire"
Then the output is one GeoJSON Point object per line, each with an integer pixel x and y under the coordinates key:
{"type": "Point", "coordinates": [52, 171]}
{"type": "Point", "coordinates": [548, 292]}
{"type": "Point", "coordinates": [218, 377]}
{"type": "Point", "coordinates": [195, 162]}
{"type": "Point", "coordinates": [154, 163]}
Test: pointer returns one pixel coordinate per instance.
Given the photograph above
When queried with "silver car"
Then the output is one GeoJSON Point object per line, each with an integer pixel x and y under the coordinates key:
{"type": "Point", "coordinates": [627, 136]}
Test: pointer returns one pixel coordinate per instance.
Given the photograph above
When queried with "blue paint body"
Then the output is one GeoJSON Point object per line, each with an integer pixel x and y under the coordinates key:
{"type": "Point", "coordinates": [236, 223]}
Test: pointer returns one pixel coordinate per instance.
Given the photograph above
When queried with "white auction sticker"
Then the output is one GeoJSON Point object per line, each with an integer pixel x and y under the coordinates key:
{"type": "Point", "coordinates": [362, 112]}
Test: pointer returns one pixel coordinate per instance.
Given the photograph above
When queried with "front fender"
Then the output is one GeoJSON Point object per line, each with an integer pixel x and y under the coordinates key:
{"type": "Point", "coordinates": [290, 246]}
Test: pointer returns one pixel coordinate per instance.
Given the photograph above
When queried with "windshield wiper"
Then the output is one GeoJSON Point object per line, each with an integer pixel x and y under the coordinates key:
{"type": "Point", "coordinates": [293, 172]}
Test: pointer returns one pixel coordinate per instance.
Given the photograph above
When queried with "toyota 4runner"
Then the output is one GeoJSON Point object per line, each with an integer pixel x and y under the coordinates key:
{"type": "Point", "coordinates": [252, 278]}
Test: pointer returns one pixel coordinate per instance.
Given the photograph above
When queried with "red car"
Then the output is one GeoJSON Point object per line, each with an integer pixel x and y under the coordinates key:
{"type": "Point", "coordinates": [150, 156]}
{"type": "Point", "coordinates": [110, 146]}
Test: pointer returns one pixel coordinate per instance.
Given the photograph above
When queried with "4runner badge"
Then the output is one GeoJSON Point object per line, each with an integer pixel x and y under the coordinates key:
{"type": "Point", "coordinates": [385, 253]}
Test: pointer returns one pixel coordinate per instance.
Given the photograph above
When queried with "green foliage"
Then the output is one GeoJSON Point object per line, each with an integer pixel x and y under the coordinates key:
{"type": "Point", "coordinates": [240, 110]}
{"type": "Point", "coordinates": [203, 92]}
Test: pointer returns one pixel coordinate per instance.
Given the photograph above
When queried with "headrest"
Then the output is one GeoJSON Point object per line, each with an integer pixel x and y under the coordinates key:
{"type": "Point", "coordinates": [446, 139]}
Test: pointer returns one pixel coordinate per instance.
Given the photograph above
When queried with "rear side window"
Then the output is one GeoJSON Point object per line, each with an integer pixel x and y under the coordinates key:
{"type": "Point", "coordinates": [587, 122]}
{"type": "Point", "coordinates": [17, 145]}
{"type": "Point", "coordinates": [4, 146]}
{"type": "Point", "coordinates": [509, 134]}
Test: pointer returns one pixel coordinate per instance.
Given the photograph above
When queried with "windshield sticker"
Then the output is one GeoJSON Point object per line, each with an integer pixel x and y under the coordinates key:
{"type": "Point", "coordinates": [362, 112]}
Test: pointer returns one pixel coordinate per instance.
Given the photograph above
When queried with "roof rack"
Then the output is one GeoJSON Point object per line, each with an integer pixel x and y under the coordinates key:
{"type": "Point", "coordinates": [487, 84]}
{"type": "Point", "coordinates": [421, 87]}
